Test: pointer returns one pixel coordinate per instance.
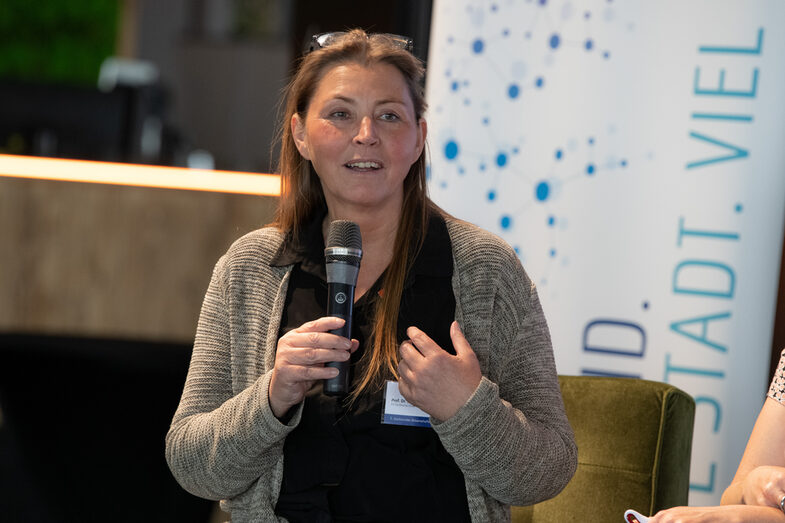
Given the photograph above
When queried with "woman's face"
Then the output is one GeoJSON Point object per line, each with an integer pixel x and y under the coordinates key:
{"type": "Point", "coordinates": [362, 136]}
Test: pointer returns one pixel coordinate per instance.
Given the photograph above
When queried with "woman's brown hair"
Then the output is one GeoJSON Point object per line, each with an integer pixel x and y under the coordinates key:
{"type": "Point", "coordinates": [302, 198]}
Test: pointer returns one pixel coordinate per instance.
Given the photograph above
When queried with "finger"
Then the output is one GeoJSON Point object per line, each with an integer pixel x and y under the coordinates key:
{"type": "Point", "coordinates": [355, 345]}
{"type": "Point", "coordinates": [308, 373]}
{"type": "Point", "coordinates": [776, 487]}
{"type": "Point", "coordinates": [408, 351]}
{"type": "Point", "coordinates": [423, 342]}
{"type": "Point", "coordinates": [405, 373]}
{"type": "Point", "coordinates": [772, 498]}
{"type": "Point", "coordinates": [400, 369]}
{"type": "Point", "coordinates": [323, 324]}
{"type": "Point", "coordinates": [311, 356]}
{"type": "Point", "coordinates": [779, 501]}
{"type": "Point", "coordinates": [292, 375]}
{"type": "Point", "coordinates": [405, 384]}
{"type": "Point", "coordinates": [321, 340]}
{"type": "Point", "coordinates": [459, 341]}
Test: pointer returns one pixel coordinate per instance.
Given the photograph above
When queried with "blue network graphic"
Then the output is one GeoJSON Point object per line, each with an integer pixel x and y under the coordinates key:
{"type": "Point", "coordinates": [546, 34]}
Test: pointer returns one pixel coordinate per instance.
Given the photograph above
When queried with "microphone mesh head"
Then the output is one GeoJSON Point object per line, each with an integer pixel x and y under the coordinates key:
{"type": "Point", "coordinates": [344, 233]}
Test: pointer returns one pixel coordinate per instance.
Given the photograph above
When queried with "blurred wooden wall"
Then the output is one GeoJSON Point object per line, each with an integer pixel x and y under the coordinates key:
{"type": "Point", "coordinates": [113, 261]}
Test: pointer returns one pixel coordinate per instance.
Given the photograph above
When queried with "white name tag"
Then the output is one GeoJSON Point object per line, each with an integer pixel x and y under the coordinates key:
{"type": "Point", "coordinates": [634, 517]}
{"type": "Point", "coordinates": [398, 411]}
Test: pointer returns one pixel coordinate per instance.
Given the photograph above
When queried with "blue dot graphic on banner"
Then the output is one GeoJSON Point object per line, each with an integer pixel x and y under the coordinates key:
{"type": "Point", "coordinates": [486, 102]}
{"type": "Point", "coordinates": [627, 151]}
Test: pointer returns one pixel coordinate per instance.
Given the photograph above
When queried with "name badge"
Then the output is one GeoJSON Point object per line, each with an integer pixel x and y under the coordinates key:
{"type": "Point", "coordinates": [398, 411]}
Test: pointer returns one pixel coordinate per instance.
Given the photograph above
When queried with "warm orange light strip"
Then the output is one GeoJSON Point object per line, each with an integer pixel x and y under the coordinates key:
{"type": "Point", "coordinates": [139, 175]}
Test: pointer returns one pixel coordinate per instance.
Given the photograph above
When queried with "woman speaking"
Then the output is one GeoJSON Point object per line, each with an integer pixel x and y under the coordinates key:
{"type": "Point", "coordinates": [444, 319]}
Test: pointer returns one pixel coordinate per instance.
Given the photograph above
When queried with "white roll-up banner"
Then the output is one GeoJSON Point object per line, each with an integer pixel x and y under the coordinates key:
{"type": "Point", "coordinates": [633, 154]}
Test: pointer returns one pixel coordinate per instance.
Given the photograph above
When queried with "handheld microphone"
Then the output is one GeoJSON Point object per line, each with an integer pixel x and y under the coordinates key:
{"type": "Point", "coordinates": [342, 255]}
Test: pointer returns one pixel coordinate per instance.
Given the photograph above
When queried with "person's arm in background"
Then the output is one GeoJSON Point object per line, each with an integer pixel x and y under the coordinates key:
{"type": "Point", "coordinates": [758, 487]}
{"type": "Point", "coordinates": [759, 484]}
{"type": "Point", "coordinates": [760, 478]}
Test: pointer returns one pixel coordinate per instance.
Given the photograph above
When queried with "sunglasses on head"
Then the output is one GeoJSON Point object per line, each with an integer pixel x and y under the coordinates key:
{"type": "Point", "coordinates": [318, 41]}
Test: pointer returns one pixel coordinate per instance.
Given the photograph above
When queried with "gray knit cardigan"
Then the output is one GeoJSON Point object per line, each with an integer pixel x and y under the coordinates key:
{"type": "Point", "coordinates": [511, 439]}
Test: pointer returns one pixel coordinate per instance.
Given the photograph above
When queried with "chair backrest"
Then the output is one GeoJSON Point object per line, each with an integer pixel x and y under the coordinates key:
{"type": "Point", "coordinates": [634, 442]}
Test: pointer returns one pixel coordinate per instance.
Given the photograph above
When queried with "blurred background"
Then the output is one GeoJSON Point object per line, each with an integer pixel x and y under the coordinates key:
{"type": "Point", "coordinates": [101, 284]}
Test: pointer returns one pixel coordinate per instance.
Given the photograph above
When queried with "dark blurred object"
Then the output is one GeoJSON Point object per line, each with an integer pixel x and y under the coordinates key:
{"type": "Point", "coordinates": [237, 20]}
{"type": "Point", "coordinates": [410, 18]}
{"type": "Point", "coordinates": [124, 124]}
{"type": "Point", "coordinates": [82, 431]}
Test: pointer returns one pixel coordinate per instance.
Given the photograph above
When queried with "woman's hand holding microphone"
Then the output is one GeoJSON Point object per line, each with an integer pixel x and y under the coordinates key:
{"type": "Point", "coordinates": [300, 359]}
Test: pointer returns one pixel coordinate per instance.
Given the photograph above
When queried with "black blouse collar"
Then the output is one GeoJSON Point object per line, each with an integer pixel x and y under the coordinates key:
{"type": "Point", "coordinates": [308, 251]}
{"type": "Point", "coordinates": [434, 258]}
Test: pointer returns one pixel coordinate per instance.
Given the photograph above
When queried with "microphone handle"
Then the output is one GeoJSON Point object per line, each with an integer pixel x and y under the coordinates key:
{"type": "Point", "coordinates": [340, 304]}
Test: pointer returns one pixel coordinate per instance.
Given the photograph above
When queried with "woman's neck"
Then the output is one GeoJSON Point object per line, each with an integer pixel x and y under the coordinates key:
{"type": "Point", "coordinates": [378, 237]}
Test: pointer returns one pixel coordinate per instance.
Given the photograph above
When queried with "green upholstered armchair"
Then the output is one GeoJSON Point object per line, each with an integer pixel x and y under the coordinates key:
{"type": "Point", "coordinates": [634, 440]}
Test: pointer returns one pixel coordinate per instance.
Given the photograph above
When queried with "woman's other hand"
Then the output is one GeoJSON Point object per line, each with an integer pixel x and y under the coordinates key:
{"type": "Point", "coordinates": [433, 379]}
{"type": "Point", "coordinates": [300, 359]}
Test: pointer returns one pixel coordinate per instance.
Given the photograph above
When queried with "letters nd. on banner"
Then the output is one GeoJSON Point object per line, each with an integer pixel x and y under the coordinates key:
{"type": "Point", "coordinates": [632, 153]}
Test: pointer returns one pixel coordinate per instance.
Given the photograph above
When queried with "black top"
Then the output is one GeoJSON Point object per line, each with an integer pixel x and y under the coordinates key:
{"type": "Point", "coordinates": [341, 463]}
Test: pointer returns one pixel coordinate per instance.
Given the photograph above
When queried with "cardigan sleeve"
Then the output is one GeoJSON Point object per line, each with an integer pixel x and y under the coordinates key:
{"type": "Point", "coordinates": [512, 436]}
{"type": "Point", "coordinates": [219, 443]}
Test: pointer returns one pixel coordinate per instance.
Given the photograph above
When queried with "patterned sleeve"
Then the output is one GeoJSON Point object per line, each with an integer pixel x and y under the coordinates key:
{"type": "Point", "coordinates": [777, 389]}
